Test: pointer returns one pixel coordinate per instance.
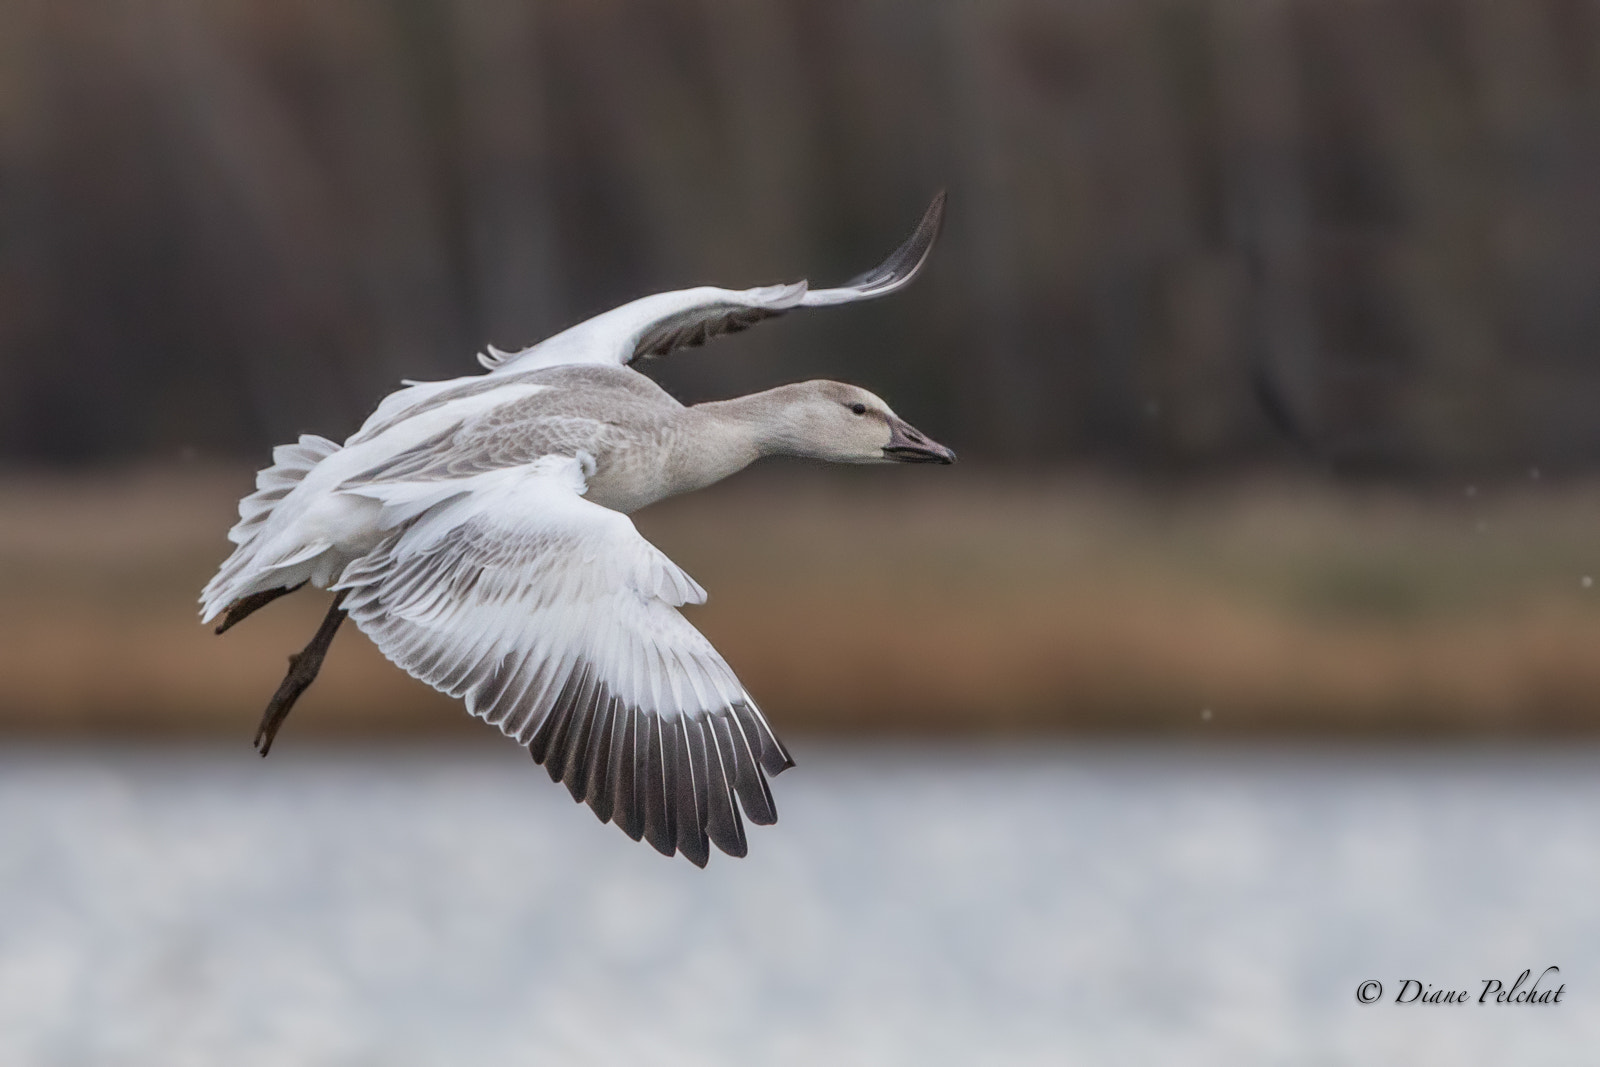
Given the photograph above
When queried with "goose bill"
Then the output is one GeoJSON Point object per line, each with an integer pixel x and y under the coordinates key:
{"type": "Point", "coordinates": [908, 445]}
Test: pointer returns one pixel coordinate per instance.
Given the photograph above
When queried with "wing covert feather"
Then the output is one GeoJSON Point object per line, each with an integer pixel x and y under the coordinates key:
{"type": "Point", "coordinates": [557, 622]}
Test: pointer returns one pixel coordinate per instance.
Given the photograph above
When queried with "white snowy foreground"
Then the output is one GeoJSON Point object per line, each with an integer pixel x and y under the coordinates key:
{"type": "Point", "coordinates": [961, 904]}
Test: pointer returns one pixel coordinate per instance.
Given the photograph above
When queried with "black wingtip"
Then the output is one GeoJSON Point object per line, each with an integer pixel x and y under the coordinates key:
{"type": "Point", "coordinates": [904, 262]}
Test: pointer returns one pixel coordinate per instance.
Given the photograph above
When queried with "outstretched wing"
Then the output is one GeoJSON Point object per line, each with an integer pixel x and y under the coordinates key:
{"type": "Point", "coordinates": [557, 622]}
{"type": "Point", "coordinates": [656, 325]}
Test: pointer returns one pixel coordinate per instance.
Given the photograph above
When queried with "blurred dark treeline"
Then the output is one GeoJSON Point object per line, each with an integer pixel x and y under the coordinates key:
{"type": "Point", "coordinates": [222, 223]}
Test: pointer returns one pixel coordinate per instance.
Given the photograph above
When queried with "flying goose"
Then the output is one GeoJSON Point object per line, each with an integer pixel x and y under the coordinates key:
{"type": "Point", "coordinates": [477, 531]}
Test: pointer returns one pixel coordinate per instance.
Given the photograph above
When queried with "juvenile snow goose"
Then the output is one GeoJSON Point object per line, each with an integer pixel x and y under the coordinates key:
{"type": "Point", "coordinates": [476, 530]}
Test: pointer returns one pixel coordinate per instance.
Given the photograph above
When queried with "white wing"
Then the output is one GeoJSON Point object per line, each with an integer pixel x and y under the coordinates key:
{"type": "Point", "coordinates": [656, 325]}
{"type": "Point", "coordinates": [557, 622]}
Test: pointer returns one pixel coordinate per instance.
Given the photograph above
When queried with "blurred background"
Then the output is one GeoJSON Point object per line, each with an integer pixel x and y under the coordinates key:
{"type": "Point", "coordinates": [228, 222]}
{"type": "Point", "coordinates": [1266, 332]}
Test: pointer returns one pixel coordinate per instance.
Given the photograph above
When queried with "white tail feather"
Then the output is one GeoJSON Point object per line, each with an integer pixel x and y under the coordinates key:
{"type": "Point", "coordinates": [290, 465]}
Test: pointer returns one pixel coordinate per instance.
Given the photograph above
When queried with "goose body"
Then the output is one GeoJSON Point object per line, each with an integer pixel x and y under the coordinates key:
{"type": "Point", "coordinates": [476, 529]}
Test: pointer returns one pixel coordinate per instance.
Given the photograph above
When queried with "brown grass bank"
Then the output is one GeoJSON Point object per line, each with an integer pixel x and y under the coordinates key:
{"type": "Point", "coordinates": [900, 601]}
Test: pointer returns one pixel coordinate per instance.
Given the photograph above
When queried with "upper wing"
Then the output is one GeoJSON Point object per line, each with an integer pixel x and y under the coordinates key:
{"type": "Point", "coordinates": [557, 622]}
{"type": "Point", "coordinates": [656, 325]}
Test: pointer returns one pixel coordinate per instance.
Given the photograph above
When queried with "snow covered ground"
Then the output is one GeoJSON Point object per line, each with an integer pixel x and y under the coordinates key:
{"type": "Point", "coordinates": [967, 904]}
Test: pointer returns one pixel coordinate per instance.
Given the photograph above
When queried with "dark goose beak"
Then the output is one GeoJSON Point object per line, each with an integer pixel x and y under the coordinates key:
{"type": "Point", "coordinates": [907, 445]}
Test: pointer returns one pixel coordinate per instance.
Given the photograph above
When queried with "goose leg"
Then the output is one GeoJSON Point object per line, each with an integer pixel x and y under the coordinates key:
{"type": "Point", "coordinates": [242, 608]}
{"type": "Point", "coordinates": [303, 668]}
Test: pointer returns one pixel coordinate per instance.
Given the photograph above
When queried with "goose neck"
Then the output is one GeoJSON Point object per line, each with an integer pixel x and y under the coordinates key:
{"type": "Point", "coordinates": [760, 422]}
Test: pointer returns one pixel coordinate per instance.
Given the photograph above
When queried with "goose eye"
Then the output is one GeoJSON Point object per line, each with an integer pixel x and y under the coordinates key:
{"type": "Point", "coordinates": [859, 409]}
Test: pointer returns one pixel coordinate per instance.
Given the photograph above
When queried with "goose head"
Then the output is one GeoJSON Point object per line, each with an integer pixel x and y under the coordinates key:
{"type": "Point", "coordinates": [847, 424]}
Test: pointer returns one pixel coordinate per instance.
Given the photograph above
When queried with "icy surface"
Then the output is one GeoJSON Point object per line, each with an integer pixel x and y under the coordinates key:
{"type": "Point", "coordinates": [962, 905]}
